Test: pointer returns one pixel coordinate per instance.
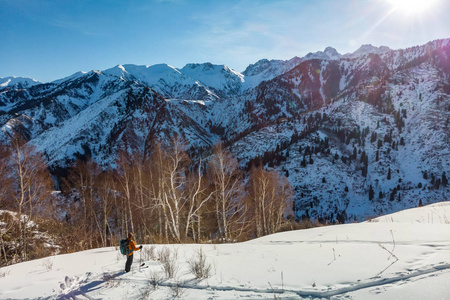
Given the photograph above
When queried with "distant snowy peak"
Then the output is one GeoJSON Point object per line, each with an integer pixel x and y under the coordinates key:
{"type": "Point", "coordinates": [149, 75]}
{"type": "Point", "coordinates": [222, 80]}
{"type": "Point", "coordinates": [165, 79]}
{"type": "Point", "coordinates": [265, 69]}
{"type": "Point", "coordinates": [17, 82]}
{"type": "Point", "coordinates": [366, 49]}
{"type": "Point", "coordinates": [203, 68]}
{"type": "Point", "coordinates": [268, 69]}
{"type": "Point", "coordinates": [328, 54]}
{"type": "Point", "coordinates": [211, 74]}
{"type": "Point", "coordinates": [261, 66]}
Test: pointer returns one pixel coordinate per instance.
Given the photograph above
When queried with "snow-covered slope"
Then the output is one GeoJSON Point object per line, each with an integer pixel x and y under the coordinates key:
{"type": "Point", "coordinates": [401, 256]}
{"type": "Point", "coordinates": [337, 128]}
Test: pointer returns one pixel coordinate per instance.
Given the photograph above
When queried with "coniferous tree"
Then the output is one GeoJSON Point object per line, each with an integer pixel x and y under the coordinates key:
{"type": "Point", "coordinates": [303, 163]}
{"type": "Point", "coordinates": [371, 193]}
{"type": "Point", "coordinates": [444, 179]}
{"type": "Point", "coordinates": [389, 174]}
{"type": "Point", "coordinates": [437, 183]}
{"type": "Point", "coordinates": [392, 196]}
{"type": "Point", "coordinates": [373, 137]}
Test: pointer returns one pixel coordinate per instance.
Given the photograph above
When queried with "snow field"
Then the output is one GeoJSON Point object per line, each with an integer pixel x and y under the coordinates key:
{"type": "Point", "coordinates": [405, 255]}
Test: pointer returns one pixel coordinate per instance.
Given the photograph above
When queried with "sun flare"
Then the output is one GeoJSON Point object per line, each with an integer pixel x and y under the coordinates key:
{"type": "Point", "coordinates": [412, 7]}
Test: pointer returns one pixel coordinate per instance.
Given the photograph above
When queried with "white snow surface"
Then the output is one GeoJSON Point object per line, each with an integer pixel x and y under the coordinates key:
{"type": "Point", "coordinates": [405, 255]}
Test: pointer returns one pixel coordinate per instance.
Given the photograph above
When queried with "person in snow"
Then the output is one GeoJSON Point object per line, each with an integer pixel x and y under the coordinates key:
{"type": "Point", "coordinates": [132, 247]}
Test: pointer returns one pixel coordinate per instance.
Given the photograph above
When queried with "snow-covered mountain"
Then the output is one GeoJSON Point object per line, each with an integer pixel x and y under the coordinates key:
{"type": "Point", "coordinates": [357, 135]}
{"type": "Point", "coordinates": [265, 69]}
{"type": "Point", "coordinates": [164, 79]}
{"type": "Point", "coordinates": [17, 83]}
{"type": "Point", "coordinates": [328, 54]}
{"type": "Point", "coordinates": [367, 49]}
{"type": "Point", "coordinates": [399, 256]}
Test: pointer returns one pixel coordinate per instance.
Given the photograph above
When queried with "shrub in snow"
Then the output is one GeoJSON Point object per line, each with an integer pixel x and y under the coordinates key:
{"type": "Point", "coordinates": [198, 266]}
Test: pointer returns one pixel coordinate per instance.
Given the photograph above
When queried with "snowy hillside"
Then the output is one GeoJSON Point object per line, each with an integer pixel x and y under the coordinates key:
{"type": "Point", "coordinates": [401, 256]}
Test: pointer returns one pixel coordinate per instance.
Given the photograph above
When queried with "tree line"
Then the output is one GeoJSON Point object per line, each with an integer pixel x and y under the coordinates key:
{"type": "Point", "coordinates": [164, 197]}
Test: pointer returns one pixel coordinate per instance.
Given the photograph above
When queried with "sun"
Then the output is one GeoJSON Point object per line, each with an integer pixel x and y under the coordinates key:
{"type": "Point", "coordinates": [412, 7]}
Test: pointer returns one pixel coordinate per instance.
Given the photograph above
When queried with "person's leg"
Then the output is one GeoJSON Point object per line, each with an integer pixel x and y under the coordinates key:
{"type": "Point", "coordinates": [129, 262]}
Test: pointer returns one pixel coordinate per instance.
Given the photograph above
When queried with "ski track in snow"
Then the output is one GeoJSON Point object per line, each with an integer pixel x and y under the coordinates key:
{"type": "Point", "coordinates": [378, 281]}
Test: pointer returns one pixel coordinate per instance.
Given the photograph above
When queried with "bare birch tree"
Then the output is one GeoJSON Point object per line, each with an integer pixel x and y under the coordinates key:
{"type": "Point", "coordinates": [81, 187]}
{"type": "Point", "coordinates": [124, 165]}
{"type": "Point", "coordinates": [171, 164]}
{"type": "Point", "coordinates": [29, 188]}
{"type": "Point", "coordinates": [226, 179]}
{"type": "Point", "coordinates": [269, 200]}
{"type": "Point", "coordinates": [198, 194]}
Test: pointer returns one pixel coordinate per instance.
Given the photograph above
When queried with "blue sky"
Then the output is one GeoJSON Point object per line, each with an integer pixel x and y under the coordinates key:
{"type": "Point", "coordinates": [47, 40]}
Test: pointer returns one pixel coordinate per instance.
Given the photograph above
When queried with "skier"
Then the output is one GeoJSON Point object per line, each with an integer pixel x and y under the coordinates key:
{"type": "Point", "coordinates": [132, 247]}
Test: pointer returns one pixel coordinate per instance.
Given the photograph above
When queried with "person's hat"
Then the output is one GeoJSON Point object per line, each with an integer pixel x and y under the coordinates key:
{"type": "Point", "coordinates": [130, 234]}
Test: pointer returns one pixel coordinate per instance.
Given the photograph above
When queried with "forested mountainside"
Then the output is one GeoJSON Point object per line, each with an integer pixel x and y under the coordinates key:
{"type": "Point", "coordinates": [356, 135]}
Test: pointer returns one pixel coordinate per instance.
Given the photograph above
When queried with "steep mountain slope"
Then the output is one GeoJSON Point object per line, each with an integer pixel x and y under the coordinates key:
{"type": "Point", "coordinates": [356, 135]}
{"type": "Point", "coordinates": [338, 128]}
{"type": "Point", "coordinates": [95, 113]}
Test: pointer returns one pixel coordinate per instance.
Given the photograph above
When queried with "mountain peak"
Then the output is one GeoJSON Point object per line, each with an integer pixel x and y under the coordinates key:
{"type": "Point", "coordinates": [328, 54]}
{"type": "Point", "coordinates": [332, 53]}
{"type": "Point", "coordinates": [206, 68]}
{"type": "Point", "coordinates": [18, 82]}
{"type": "Point", "coordinates": [368, 48]}
{"type": "Point", "coordinates": [260, 66]}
